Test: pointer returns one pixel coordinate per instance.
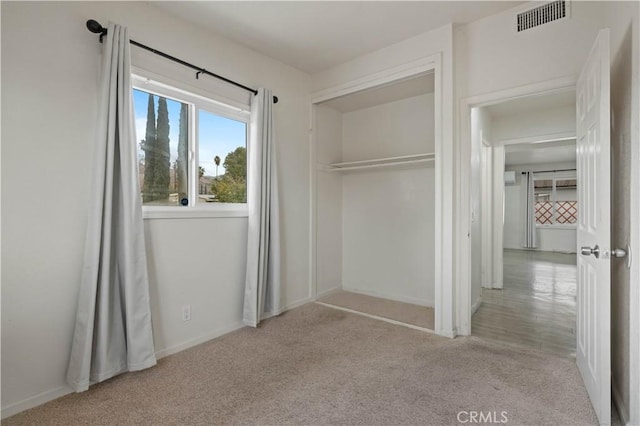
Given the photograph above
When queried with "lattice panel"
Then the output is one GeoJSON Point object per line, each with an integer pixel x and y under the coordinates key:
{"type": "Point", "coordinates": [544, 212]}
{"type": "Point", "coordinates": [566, 212]}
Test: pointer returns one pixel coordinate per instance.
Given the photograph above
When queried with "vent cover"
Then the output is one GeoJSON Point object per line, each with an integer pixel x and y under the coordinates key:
{"type": "Point", "coordinates": [541, 15]}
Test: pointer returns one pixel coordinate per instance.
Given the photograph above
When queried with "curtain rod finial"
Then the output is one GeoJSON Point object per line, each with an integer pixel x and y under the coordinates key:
{"type": "Point", "coordinates": [95, 27]}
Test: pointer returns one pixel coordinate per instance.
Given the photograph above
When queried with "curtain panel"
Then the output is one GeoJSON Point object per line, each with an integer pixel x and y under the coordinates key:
{"type": "Point", "coordinates": [262, 285]}
{"type": "Point", "coordinates": [529, 239]}
{"type": "Point", "coordinates": [113, 322]}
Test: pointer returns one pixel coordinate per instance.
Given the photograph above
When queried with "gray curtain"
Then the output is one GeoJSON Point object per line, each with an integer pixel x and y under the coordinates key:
{"type": "Point", "coordinates": [262, 286]}
{"type": "Point", "coordinates": [530, 239]}
{"type": "Point", "coordinates": [113, 322]}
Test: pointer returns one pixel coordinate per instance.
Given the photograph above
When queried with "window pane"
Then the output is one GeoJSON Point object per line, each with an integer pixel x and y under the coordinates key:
{"type": "Point", "coordinates": [222, 157]}
{"type": "Point", "coordinates": [162, 127]}
{"type": "Point", "coordinates": [566, 204]}
{"type": "Point", "coordinates": [544, 208]}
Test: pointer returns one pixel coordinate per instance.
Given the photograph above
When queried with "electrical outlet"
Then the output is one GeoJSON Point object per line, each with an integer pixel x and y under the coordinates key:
{"type": "Point", "coordinates": [186, 313]}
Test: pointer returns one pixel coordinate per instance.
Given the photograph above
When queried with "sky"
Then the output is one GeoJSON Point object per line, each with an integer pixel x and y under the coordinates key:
{"type": "Point", "coordinates": [218, 135]}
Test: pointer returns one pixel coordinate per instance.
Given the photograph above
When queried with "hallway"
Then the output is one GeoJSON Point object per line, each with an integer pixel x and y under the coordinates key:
{"type": "Point", "coordinates": [537, 306]}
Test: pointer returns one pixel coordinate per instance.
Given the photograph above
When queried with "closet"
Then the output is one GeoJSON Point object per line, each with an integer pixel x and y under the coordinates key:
{"type": "Point", "coordinates": [375, 200]}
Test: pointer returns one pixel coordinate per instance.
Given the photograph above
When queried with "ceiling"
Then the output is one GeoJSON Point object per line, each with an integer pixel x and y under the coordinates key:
{"type": "Point", "coordinates": [541, 153]}
{"type": "Point", "coordinates": [316, 35]}
{"type": "Point", "coordinates": [533, 103]}
{"type": "Point", "coordinates": [383, 94]}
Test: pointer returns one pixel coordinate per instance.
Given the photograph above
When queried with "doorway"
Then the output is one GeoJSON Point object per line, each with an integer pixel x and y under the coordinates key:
{"type": "Point", "coordinates": [524, 214]}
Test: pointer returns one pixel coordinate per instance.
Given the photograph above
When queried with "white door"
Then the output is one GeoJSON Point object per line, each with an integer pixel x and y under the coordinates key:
{"type": "Point", "coordinates": [593, 293]}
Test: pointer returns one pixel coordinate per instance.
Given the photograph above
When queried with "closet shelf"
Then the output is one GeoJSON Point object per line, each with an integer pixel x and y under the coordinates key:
{"type": "Point", "coordinates": [381, 162]}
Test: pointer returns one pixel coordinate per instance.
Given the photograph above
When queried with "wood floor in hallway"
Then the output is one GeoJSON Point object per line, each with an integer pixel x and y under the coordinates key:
{"type": "Point", "coordinates": [537, 306]}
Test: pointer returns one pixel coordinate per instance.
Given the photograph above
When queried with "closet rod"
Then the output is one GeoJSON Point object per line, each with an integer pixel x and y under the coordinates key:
{"type": "Point", "coordinates": [551, 171]}
{"type": "Point", "coordinates": [95, 27]}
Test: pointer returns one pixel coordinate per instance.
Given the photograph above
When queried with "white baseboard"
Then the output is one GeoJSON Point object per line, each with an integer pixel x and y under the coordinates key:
{"type": "Point", "coordinates": [329, 292]}
{"type": "Point", "coordinates": [619, 403]}
{"type": "Point", "coordinates": [198, 340]}
{"type": "Point", "coordinates": [298, 303]}
{"type": "Point", "coordinates": [413, 300]}
{"type": "Point", "coordinates": [476, 305]}
{"type": "Point", "coordinates": [364, 314]}
{"type": "Point", "coordinates": [34, 401]}
{"type": "Point", "coordinates": [50, 395]}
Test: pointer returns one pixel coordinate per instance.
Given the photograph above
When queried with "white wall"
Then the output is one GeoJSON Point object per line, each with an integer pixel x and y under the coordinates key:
{"type": "Point", "coordinates": [491, 56]}
{"type": "Point", "coordinates": [388, 219]}
{"type": "Point", "coordinates": [50, 66]}
{"type": "Point", "coordinates": [388, 239]}
{"type": "Point", "coordinates": [404, 127]}
{"type": "Point", "coordinates": [329, 201]}
{"type": "Point", "coordinates": [537, 123]}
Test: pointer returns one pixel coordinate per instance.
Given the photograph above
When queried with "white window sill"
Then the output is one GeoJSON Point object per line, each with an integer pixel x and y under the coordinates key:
{"type": "Point", "coordinates": [559, 226]}
{"type": "Point", "coordinates": [218, 211]}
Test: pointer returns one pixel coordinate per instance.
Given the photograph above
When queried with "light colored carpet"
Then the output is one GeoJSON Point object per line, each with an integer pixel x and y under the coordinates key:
{"type": "Point", "coordinates": [398, 311]}
{"type": "Point", "coordinates": [316, 366]}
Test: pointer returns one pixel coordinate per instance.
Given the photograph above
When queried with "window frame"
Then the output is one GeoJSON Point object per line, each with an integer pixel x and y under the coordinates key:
{"type": "Point", "coordinates": [553, 201]}
{"type": "Point", "coordinates": [195, 102]}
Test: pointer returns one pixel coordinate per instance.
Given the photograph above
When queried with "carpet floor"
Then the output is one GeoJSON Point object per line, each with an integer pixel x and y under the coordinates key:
{"type": "Point", "coordinates": [407, 313]}
{"type": "Point", "coordinates": [317, 366]}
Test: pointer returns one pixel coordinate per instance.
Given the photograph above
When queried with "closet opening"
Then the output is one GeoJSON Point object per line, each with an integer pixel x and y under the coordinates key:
{"type": "Point", "coordinates": [375, 201]}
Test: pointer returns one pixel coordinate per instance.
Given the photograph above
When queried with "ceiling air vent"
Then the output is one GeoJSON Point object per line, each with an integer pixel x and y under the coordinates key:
{"type": "Point", "coordinates": [541, 15]}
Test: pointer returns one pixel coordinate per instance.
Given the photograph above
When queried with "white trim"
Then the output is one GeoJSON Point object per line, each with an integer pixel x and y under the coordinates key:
{"type": "Point", "coordinates": [557, 226]}
{"type": "Point", "coordinates": [486, 209]}
{"type": "Point", "coordinates": [498, 195]}
{"type": "Point", "coordinates": [376, 317]}
{"type": "Point", "coordinates": [220, 211]}
{"type": "Point", "coordinates": [313, 202]}
{"type": "Point", "coordinates": [619, 403]}
{"type": "Point", "coordinates": [329, 292]}
{"type": "Point", "coordinates": [35, 401]}
{"type": "Point", "coordinates": [390, 75]}
{"type": "Point", "coordinates": [463, 180]}
{"type": "Point", "coordinates": [177, 85]}
{"type": "Point", "coordinates": [198, 340]}
{"type": "Point", "coordinates": [297, 304]}
{"type": "Point", "coordinates": [476, 305]}
{"type": "Point", "coordinates": [412, 300]}
{"type": "Point", "coordinates": [444, 299]}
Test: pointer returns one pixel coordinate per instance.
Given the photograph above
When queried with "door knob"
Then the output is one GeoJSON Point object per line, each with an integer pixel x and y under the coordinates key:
{"type": "Point", "coordinates": [618, 253]}
{"type": "Point", "coordinates": [586, 251]}
{"type": "Point", "coordinates": [625, 252]}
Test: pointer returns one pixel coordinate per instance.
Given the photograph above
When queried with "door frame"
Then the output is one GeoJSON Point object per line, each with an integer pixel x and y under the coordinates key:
{"type": "Point", "coordinates": [444, 177]}
{"type": "Point", "coordinates": [463, 302]}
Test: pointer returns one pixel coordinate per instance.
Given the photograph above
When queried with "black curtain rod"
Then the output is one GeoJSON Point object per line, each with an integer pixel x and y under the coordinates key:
{"type": "Point", "coordinates": [551, 171]}
{"type": "Point", "coordinates": [95, 27]}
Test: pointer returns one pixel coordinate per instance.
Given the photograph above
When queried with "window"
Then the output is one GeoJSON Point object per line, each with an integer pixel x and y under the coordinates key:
{"type": "Point", "coordinates": [556, 201]}
{"type": "Point", "coordinates": [192, 151]}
